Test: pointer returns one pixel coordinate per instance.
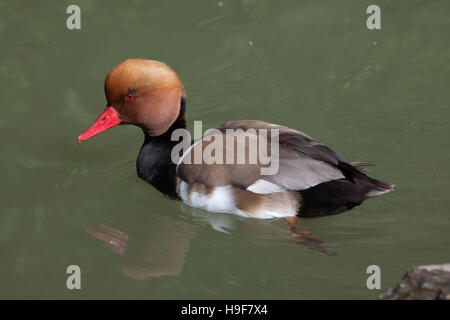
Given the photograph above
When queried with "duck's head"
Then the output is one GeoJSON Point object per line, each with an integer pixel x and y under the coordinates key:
{"type": "Point", "coordinates": [146, 93]}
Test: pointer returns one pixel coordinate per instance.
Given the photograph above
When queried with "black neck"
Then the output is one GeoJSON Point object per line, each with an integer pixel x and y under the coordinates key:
{"type": "Point", "coordinates": [154, 163]}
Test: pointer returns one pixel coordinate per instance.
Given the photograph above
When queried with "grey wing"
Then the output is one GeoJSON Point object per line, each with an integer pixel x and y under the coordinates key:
{"type": "Point", "coordinates": [302, 163]}
{"type": "Point", "coordinates": [293, 139]}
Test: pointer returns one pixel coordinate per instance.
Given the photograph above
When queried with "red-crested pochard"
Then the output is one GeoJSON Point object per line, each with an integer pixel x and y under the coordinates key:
{"type": "Point", "coordinates": [312, 180]}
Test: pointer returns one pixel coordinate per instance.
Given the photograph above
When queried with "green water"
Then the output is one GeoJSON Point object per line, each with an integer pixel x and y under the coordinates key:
{"type": "Point", "coordinates": [373, 95]}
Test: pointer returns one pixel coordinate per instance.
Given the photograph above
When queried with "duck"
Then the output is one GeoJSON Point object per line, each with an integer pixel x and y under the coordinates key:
{"type": "Point", "coordinates": [310, 180]}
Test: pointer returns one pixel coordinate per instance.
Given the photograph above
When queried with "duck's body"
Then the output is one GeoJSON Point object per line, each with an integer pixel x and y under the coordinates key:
{"type": "Point", "coordinates": [311, 179]}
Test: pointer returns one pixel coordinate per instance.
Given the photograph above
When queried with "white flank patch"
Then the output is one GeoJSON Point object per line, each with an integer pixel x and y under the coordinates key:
{"type": "Point", "coordinates": [264, 186]}
{"type": "Point", "coordinates": [221, 199]}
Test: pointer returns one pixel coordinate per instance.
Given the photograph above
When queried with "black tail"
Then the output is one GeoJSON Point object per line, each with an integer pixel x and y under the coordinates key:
{"type": "Point", "coordinates": [336, 196]}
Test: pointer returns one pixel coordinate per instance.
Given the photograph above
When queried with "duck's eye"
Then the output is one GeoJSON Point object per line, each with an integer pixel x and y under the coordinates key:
{"type": "Point", "coordinates": [130, 97]}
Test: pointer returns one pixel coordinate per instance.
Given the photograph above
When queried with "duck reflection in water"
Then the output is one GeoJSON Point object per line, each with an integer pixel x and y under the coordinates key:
{"type": "Point", "coordinates": [146, 254]}
{"type": "Point", "coordinates": [162, 251]}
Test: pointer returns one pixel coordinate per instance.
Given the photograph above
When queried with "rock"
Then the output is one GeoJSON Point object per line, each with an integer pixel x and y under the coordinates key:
{"type": "Point", "coordinates": [431, 282]}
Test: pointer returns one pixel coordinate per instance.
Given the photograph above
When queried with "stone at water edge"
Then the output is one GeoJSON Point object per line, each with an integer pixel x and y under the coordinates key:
{"type": "Point", "coordinates": [430, 282]}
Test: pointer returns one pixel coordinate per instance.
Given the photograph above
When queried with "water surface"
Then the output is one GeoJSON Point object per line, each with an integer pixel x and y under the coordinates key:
{"type": "Point", "coordinates": [379, 96]}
